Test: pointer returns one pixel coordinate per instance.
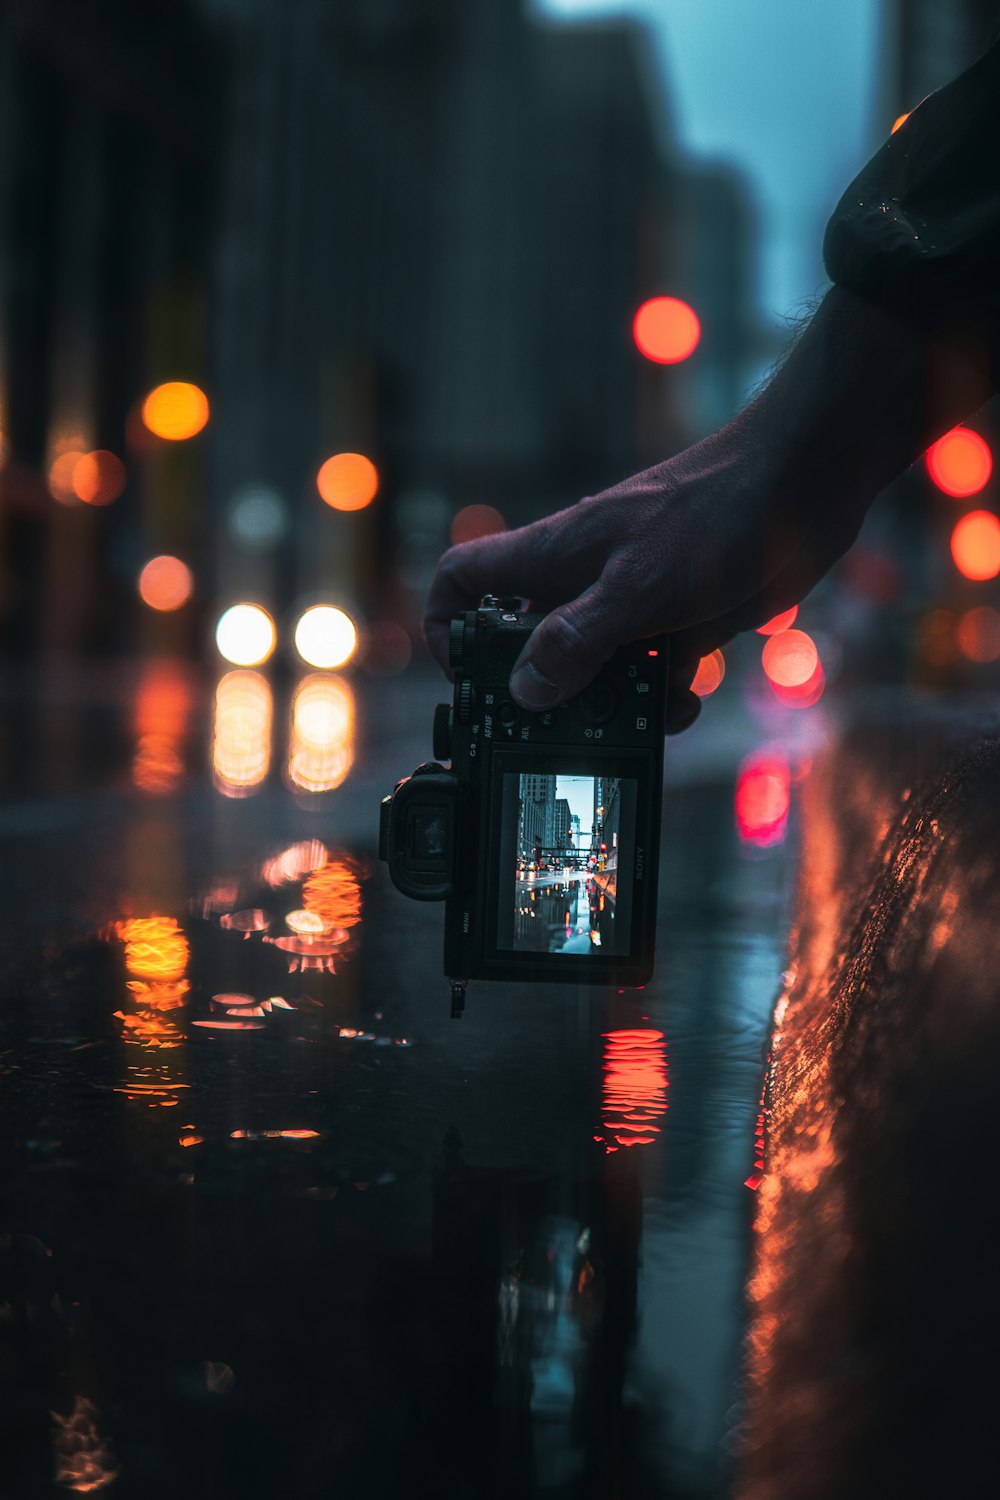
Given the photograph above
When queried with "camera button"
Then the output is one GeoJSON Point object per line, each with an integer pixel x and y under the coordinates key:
{"type": "Point", "coordinates": [508, 715]}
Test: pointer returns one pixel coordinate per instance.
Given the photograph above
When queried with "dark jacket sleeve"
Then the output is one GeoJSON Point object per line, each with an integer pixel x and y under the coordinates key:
{"type": "Point", "coordinates": [918, 230]}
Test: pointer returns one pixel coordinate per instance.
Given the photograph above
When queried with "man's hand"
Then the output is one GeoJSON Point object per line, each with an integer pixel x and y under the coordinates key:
{"type": "Point", "coordinates": [729, 532]}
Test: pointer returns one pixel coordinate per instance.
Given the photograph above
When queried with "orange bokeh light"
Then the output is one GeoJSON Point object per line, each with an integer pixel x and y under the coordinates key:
{"type": "Point", "coordinates": [960, 463]}
{"type": "Point", "coordinates": [979, 633]}
{"type": "Point", "coordinates": [165, 583]}
{"type": "Point", "coordinates": [474, 521]}
{"type": "Point", "coordinates": [790, 659]}
{"type": "Point", "coordinates": [666, 330]}
{"type": "Point", "coordinates": [61, 475]}
{"type": "Point", "coordinates": [175, 410]}
{"type": "Point", "coordinates": [711, 670]}
{"type": "Point", "coordinates": [98, 478]}
{"type": "Point", "coordinates": [763, 797]}
{"type": "Point", "coordinates": [348, 481]}
{"type": "Point", "coordinates": [975, 545]}
{"type": "Point", "coordinates": [779, 623]}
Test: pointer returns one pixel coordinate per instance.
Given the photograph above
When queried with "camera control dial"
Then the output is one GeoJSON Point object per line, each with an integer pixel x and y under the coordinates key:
{"type": "Point", "coordinates": [464, 702]}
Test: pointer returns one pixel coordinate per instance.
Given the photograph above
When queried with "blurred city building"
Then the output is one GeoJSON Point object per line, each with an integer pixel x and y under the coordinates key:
{"type": "Point", "coordinates": [415, 230]}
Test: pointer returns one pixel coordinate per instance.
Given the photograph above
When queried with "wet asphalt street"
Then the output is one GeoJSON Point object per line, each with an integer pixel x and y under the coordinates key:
{"type": "Point", "coordinates": [271, 1222]}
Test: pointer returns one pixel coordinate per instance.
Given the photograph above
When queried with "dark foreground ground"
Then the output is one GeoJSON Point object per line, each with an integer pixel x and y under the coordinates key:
{"type": "Point", "coordinates": [315, 1238]}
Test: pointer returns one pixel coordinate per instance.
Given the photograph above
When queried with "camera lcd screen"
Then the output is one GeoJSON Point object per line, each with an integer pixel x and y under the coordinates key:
{"type": "Point", "coordinates": [567, 853]}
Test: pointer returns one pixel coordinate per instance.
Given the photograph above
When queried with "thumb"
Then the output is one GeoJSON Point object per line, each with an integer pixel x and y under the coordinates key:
{"type": "Point", "coordinates": [567, 649]}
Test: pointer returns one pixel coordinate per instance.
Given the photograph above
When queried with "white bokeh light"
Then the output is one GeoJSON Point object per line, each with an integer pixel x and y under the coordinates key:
{"type": "Point", "coordinates": [325, 637]}
{"type": "Point", "coordinates": [258, 518]}
{"type": "Point", "coordinates": [245, 635]}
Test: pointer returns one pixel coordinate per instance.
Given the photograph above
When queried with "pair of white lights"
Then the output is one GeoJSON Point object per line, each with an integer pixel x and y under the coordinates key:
{"type": "Point", "coordinates": [325, 637]}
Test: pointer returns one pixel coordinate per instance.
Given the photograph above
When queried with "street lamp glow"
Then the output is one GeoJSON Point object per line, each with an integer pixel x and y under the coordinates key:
{"type": "Point", "coordinates": [176, 410]}
{"type": "Point", "coordinates": [245, 635]}
{"type": "Point", "coordinates": [325, 637]}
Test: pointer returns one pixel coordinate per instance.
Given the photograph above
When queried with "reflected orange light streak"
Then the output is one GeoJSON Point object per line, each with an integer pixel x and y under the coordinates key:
{"type": "Point", "coordinates": [975, 545]}
{"type": "Point", "coordinates": [763, 798]}
{"type": "Point", "coordinates": [241, 733]}
{"type": "Point", "coordinates": [348, 481]}
{"type": "Point", "coordinates": [99, 477]}
{"type": "Point", "coordinates": [321, 747]}
{"type": "Point", "coordinates": [666, 330]}
{"type": "Point", "coordinates": [176, 410]}
{"type": "Point", "coordinates": [711, 671]}
{"type": "Point", "coordinates": [273, 1135]}
{"type": "Point", "coordinates": [334, 895]}
{"type": "Point", "coordinates": [475, 521]}
{"type": "Point", "coordinates": [248, 921]}
{"type": "Point", "coordinates": [83, 1461]}
{"type": "Point", "coordinates": [156, 954]}
{"type": "Point", "coordinates": [162, 710]}
{"type": "Point", "coordinates": [960, 463]}
{"type": "Point", "coordinates": [899, 120]}
{"type": "Point", "coordinates": [780, 622]}
{"type": "Point", "coordinates": [295, 863]}
{"type": "Point", "coordinates": [635, 1087]}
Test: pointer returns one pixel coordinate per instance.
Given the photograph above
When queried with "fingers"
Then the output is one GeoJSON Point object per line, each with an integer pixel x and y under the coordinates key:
{"type": "Point", "coordinates": [512, 562]}
{"type": "Point", "coordinates": [569, 646]}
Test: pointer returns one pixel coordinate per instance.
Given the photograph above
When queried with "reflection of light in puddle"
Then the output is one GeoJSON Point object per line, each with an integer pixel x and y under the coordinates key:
{"type": "Point", "coordinates": [162, 709]}
{"type": "Point", "coordinates": [83, 1462]}
{"type": "Point", "coordinates": [321, 745]}
{"type": "Point", "coordinates": [241, 732]}
{"type": "Point", "coordinates": [251, 920]}
{"type": "Point", "coordinates": [294, 863]}
{"type": "Point", "coordinates": [156, 951]}
{"type": "Point", "coordinates": [273, 1135]}
{"type": "Point", "coordinates": [635, 1087]}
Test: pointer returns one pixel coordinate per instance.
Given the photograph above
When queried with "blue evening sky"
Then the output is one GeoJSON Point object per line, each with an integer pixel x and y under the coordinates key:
{"type": "Point", "coordinates": [784, 90]}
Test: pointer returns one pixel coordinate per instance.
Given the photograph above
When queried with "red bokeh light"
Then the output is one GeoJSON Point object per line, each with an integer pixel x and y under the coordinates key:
{"type": "Point", "coordinates": [475, 521]}
{"type": "Point", "coordinates": [666, 330]}
{"type": "Point", "coordinates": [960, 463]}
{"type": "Point", "coordinates": [711, 670]}
{"type": "Point", "coordinates": [979, 633]}
{"type": "Point", "coordinates": [975, 545]}
{"type": "Point", "coordinates": [803, 694]}
{"type": "Point", "coordinates": [763, 797]}
{"type": "Point", "coordinates": [98, 477]}
{"type": "Point", "coordinates": [779, 623]}
{"type": "Point", "coordinates": [789, 659]}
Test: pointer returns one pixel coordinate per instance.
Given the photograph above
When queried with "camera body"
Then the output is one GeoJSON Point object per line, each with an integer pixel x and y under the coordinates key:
{"type": "Point", "coordinates": [542, 838]}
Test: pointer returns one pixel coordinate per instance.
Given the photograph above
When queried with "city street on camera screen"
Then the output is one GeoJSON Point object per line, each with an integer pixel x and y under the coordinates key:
{"type": "Point", "coordinates": [572, 839]}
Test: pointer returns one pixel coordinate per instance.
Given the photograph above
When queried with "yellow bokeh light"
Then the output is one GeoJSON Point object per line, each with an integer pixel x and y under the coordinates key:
{"type": "Point", "coordinates": [245, 635]}
{"type": "Point", "coordinates": [348, 481]}
{"type": "Point", "coordinates": [175, 410]}
{"type": "Point", "coordinates": [325, 637]}
{"type": "Point", "coordinates": [165, 583]}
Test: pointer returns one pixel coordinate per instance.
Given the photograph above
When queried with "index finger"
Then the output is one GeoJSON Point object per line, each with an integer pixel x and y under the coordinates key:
{"type": "Point", "coordinates": [512, 562]}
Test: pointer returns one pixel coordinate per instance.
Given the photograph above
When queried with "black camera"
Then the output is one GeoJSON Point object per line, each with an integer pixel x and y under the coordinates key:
{"type": "Point", "coordinates": [543, 836]}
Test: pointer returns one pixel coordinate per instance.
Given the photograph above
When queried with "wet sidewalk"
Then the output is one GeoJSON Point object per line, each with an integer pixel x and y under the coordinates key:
{"type": "Point", "coordinates": [273, 1223]}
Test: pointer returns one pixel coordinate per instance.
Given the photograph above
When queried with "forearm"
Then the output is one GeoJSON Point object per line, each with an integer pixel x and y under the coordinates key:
{"type": "Point", "coordinates": [863, 393]}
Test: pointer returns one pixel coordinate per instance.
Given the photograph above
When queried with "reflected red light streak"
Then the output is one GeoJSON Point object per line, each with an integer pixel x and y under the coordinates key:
{"type": "Point", "coordinates": [960, 463]}
{"type": "Point", "coordinates": [763, 799]}
{"type": "Point", "coordinates": [635, 1087]}
{"type": "Point", "coordinates": [162, 710]}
